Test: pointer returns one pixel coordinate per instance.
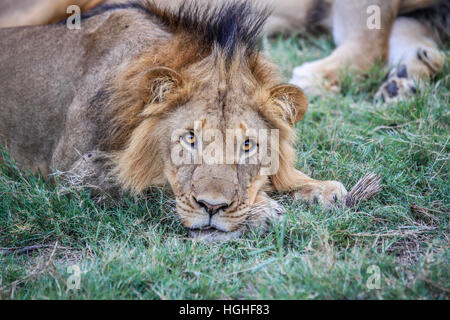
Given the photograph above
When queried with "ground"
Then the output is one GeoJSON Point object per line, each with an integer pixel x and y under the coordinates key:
{"type": "Point", "coordinates": [138, 249]}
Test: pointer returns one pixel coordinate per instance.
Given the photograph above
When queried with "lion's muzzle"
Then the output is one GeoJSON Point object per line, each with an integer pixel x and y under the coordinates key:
{"type": "Point", "coordinates": [214, 201]}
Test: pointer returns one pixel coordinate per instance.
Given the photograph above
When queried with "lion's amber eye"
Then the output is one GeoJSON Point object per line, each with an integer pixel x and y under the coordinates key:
{"type": "Point", "coordinates": [189, 138]}
{"type": "Point", "coordinates": [248, 145]}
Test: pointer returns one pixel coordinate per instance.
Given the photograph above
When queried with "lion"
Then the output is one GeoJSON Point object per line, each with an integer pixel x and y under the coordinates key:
{"type": "Point", "coordinates": [407, 38]}
{"type": "Point", "coordinates": [109, 103]}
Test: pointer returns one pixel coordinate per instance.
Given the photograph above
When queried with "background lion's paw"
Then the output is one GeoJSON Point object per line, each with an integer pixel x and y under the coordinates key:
{"type": "Point", "coordinates": [433, 59]}
{"type": "Point", "coordinates": [312, 81]}
{"type": "Point", "coordinates": [397, 87]}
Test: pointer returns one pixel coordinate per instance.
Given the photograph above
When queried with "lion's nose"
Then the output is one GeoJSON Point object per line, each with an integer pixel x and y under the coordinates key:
{"type": "Point", "coordinates": [210, 207]}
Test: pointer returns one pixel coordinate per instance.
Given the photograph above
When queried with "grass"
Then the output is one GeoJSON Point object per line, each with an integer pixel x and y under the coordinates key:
{"type": "Point", "coordinates": [136, 249]}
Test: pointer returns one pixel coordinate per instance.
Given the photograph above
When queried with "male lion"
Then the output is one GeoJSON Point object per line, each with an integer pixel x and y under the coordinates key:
{"type": "Point", "coordinates": [109, 103]}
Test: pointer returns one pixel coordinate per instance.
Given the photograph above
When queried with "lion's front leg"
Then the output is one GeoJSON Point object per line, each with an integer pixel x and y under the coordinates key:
{"type": "Point", "coordinates": [302, 187]}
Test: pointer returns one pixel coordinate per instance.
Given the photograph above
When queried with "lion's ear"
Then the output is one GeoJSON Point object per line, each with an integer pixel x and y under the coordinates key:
{"type": "Point", "coordinates": [157, 82]}
{"type": "Point", "coordinates": [289, 102]}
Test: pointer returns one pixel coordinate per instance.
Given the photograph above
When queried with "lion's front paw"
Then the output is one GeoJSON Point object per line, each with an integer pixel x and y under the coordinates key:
{"type": "Point", "coordinates": [327, 193]}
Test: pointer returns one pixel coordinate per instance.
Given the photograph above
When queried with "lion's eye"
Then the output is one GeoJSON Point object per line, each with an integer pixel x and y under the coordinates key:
{"type": "Point", "coordinates": [248, 145]}
{"type": "Point", "coordinates": [189, 138]}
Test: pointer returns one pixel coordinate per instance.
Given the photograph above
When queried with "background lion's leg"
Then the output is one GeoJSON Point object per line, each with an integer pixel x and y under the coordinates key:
{"type": "Point", "coordinates": [411, 5]}
{"type": "Point", "coordinates": [358, 46]}
{"type": "Point", "coordinates": [414, 56]}
{"type": "Point", "coordinates": [296, 16]}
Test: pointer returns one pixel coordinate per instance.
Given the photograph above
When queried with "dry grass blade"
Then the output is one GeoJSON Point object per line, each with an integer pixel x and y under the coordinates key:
{"type": "Point", "coordinates": [21, 250]}
{"type": "Point", "coordinates": [424, 213]}
{"type": "Point", "coordinates": [365, 188]}
{"type": "Point", "coordinates": [27, 249]}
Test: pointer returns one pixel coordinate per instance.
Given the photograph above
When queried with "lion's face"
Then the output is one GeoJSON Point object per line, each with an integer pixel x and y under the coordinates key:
{"type": "Point", "coordinates": [213, 162]}
{"type": "Point", "coordinates": [217, 135]}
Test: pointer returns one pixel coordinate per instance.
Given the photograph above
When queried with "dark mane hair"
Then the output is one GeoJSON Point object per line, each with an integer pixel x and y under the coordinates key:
{"type": "Point", "coordinates": [437, 17]}
{"type": "Point", "coordinates": [229, 25]}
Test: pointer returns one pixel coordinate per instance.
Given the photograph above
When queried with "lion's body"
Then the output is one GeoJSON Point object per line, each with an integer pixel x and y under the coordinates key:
{"type": "Point", "coordinates": [106, 99]}
{"type": "Point", "coordinates": [48, 88]}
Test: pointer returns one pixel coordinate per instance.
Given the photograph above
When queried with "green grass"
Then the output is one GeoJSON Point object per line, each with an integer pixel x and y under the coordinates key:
{"type": "Point", "coordinates": [136, 248]}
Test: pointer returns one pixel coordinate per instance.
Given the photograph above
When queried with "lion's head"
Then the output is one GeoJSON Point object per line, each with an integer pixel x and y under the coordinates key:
{"type": "Point", "coordinates": [197, 111]}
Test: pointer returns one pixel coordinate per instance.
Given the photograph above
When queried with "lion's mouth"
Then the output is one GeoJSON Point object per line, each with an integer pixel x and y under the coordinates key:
{"type": "Point", "coordinates": [210, 234]}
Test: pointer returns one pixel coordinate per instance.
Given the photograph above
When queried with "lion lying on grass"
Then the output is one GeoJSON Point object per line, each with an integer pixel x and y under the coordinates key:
{"type": "Point", "coordinates": [117, 97]}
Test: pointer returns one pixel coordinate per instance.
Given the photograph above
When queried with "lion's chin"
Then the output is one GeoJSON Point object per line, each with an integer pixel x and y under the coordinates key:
{"type": "Point", "coordinates": [214, 235]}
